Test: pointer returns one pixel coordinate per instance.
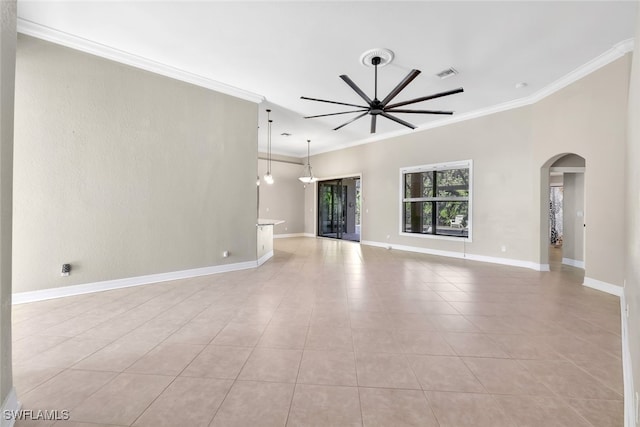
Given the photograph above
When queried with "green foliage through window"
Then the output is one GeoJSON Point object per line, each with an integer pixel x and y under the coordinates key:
{"type": "Point", "coordinates": [436, 201]}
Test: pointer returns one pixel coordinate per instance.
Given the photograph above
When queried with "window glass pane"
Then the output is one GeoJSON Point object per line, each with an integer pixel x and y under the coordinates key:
{"type": "Point", "coordinates": [452, 218]}
{"type": "Point", "coordinates": [417, 217]}
{"type": "Point", "coordinates": [453, 183]}
{"type": "Point", "coordinates": [419, 184]}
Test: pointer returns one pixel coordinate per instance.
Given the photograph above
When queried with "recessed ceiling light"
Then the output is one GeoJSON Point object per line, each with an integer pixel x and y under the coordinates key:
{"type": "Point", "coordinates": [521, 85]}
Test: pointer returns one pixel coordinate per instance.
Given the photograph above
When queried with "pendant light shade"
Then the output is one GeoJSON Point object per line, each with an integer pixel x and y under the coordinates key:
{"type": "Point", "coordinates": [307, 174]}
{"type": "Point", "coordinates": [268, 178]}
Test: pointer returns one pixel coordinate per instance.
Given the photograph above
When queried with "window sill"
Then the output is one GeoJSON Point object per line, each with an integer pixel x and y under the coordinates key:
{"type": "Point", "coordinates": [437, 237]}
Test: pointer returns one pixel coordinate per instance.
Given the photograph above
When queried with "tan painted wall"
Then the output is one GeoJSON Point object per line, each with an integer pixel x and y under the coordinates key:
{"type": "Point", "coordinates": [508, 150]}
{"type": "Point", "coordinates": [501, 191]}
{"type": "Point", "coordinates": [7, 74]}
{"type": "Point", "coordinates": [284, 199]}
{"type": "Point", "coordinates": [589, 118]}
{"type": "Point", "coordinates": [632, 223]}
{"type": "Point", "coordinates": [123, 173]}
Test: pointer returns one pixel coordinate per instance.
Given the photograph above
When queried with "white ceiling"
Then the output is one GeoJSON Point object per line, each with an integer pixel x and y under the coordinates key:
{"type": "Point", "coordinates": [282, 50]}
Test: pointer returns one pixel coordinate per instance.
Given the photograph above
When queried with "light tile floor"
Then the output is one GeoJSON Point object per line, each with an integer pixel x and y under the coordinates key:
{"type": "Point", "coordinates": [329, 333]}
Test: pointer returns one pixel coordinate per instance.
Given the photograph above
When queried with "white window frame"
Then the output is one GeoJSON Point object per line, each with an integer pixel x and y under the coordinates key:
{"type": "Point", "coordinates": [435, 167]}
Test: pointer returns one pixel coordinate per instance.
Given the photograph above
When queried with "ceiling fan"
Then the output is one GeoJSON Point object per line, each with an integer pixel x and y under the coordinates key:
{"type": "Point", "coordinates": [383, 108]}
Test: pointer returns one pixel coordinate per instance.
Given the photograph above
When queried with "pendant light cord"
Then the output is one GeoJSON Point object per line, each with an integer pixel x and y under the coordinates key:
{"type": "Point", "coordinates": [269, 121]}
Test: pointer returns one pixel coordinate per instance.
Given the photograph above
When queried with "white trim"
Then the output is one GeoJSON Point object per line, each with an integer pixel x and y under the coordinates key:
{"type": "Point", "coordinates": [573, 262]}
{"type": "Point", "coordinates": [603, 286]}
{"type": "Point", "coordinates": [617, 51]}
{"type": "Point", "coordinates": [545, 267]}
{"type": "Point", "coordinates": [461, 255]}
{"type": "Point", "coordinates": [614, 53]}
{"type": "Point", "coordinates": [627, 368]}
{"type": "Point", "coordinates": [309, 235]}
{"type": "Point", "coordinates": [566, 169]}
{"type": "Point", "coordinates": [45, 294]}
{"type": "Point", "coordinates": [12, 405]}
{"type": "Point", "coordinates": [264, 258]}
{"type": "Point", "coordinates": [460, 164]}
{"type": "Point", "coordinates": [286, 236]}
{"type": "Point", "coordinates": [72, 41]}
{"type": "Point", "coordinates": [436, 236]}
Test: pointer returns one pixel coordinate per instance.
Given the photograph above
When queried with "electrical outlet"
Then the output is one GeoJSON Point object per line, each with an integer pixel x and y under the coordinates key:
{"type": "Point", "coordinates": [503, 248]}
{"type": "Point", "coordinates": [225, 254]}
{"type": "Point", "coordinates": [66, 270]}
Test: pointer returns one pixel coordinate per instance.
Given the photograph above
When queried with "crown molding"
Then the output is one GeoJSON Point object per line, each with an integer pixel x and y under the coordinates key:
{"type": "Point", "coordinates": [617, 51]}
{"type": "Point", "coordinates": [78, 43]}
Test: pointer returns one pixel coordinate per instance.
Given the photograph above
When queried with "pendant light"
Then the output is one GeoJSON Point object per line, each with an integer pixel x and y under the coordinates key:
{"type": "Point", "coordinates": [307, 175]}
{"type": "Point", "coordinates": [268, 178]}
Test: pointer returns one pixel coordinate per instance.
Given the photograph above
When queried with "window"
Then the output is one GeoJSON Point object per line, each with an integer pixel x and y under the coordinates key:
{"type": "Point", "coordinates": [436, 200]}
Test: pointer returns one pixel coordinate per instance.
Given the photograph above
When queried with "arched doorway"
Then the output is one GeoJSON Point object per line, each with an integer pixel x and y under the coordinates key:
{"type": "Point", "coordinates": [563, 211]}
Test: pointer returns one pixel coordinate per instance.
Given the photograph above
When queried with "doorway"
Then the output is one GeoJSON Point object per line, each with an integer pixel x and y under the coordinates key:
{"type": "Point", "coordinates": [565, 238]}
{"type": "Point", "coordinates": [339, 209]}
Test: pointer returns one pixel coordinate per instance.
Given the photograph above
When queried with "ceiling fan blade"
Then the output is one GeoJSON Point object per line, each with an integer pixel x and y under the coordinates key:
{"type": "Point", "coordinates": [373, 123]}
{"type": "Point", "coordinates": [333, 102]}
{"type": "Point", "coordinates": [334, 114]}
{"type": "Point", "coordinates": [352, 120]}
{"type": "Point", "coordinates": [425, 98]}
{"type": "Point", "coordinates": [412, 75]}
{"type": "Point", "coordinates": [401, 110]}
{"type": "Point", "coordinates": [397, 120]}
{"type": "Point", "coordinates": [355, 87]}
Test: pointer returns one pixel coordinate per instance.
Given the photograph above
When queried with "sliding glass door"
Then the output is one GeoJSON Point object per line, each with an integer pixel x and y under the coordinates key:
{"type": "Point", "coordinates": [338, 209]}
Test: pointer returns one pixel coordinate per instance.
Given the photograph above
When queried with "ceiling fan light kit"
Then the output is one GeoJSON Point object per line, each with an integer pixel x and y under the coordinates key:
{"type": "Point", "coordinates": [378, 58]}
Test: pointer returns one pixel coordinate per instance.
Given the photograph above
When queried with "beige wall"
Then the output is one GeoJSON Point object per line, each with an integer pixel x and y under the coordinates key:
{"type": "Point", "coordinates": [632, 223]}
{"type": "Point", "coordinates": [123, 173]}
{"type": "Point", "coordinates": [589, 118]}
{"type": "Point", "coordinates": [284, 199]}
{"type": "Point", "coordinates": [7, 74]}
{"type": "Point", "coordinates": [501, 211]}
{"type": "Point", "coordinates": [508, 150]}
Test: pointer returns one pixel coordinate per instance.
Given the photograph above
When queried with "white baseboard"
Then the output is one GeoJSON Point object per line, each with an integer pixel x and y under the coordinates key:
{"type": "Point", "coordinates": [603, 286]}
{"type": "Point", "coordinates": [461, 255]}
{"type": "Point", "coordinates": [573, 262]}
{"type": "Point", "coordinates": [264, 258]}
{"type": "Point", "coordinates": [286, 236]}
{"type": "Point", "coordinates": [309, 235]}
{"type": "Point", "coordinates": [45, 294]}
{"type": "Point", "coordinates": [627, 371]}
{"type": "Point", "coordinates": [10, 409]}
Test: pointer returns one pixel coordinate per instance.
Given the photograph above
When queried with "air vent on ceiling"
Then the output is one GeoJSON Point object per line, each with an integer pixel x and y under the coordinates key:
{"type": "Point", "coordinates": [447, 73]}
